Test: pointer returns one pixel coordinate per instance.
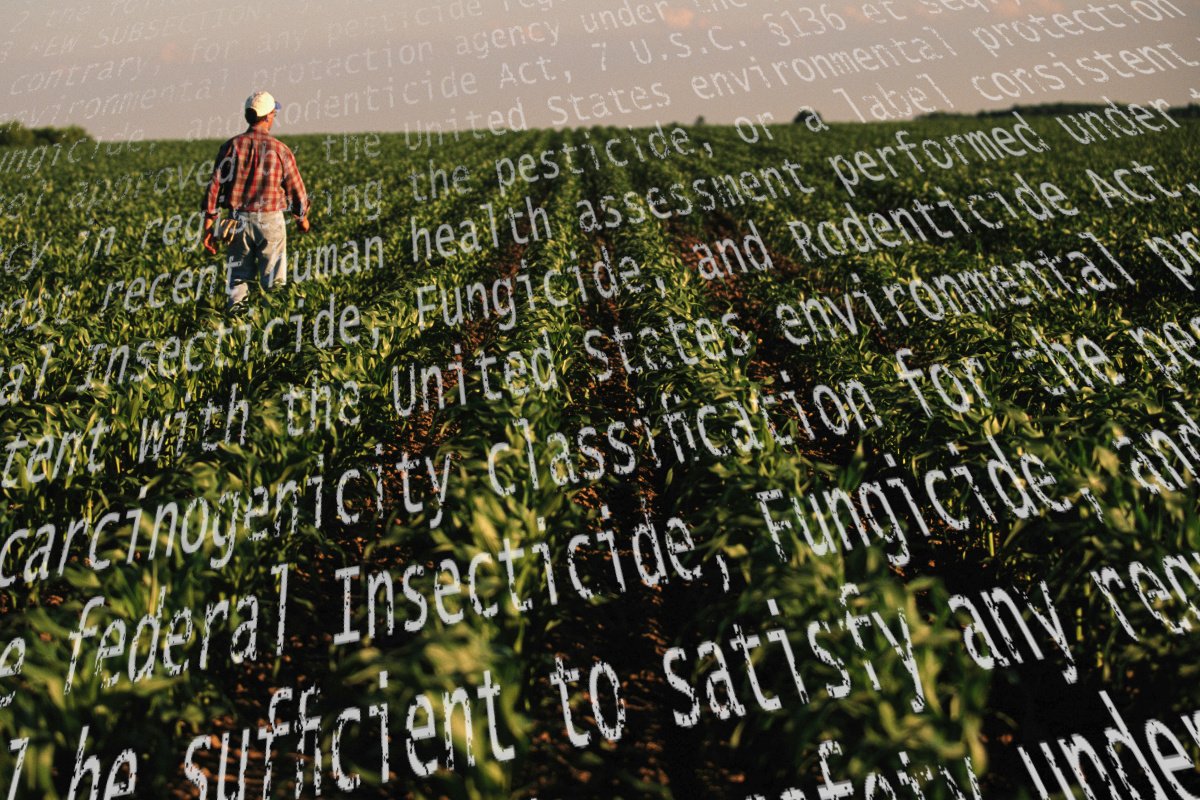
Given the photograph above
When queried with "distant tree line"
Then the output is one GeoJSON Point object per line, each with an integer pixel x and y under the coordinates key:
{"type": "Point", "coordinates": [14, 134]}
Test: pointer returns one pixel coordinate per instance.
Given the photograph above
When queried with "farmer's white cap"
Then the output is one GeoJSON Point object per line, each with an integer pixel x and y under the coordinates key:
{"type": "Point", "coordinates": [262, 103]}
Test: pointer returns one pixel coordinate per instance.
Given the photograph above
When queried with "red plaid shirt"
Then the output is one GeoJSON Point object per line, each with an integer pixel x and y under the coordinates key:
{"type": "Point", "coordinates": [254, 171]}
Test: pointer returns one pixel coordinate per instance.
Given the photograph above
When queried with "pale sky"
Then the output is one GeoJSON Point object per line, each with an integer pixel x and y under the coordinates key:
{"type": "Point", "coordinates": [176, 69]}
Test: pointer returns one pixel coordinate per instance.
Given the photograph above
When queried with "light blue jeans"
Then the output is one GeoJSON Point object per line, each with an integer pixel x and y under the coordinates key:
{"type": "Point", "coordinates": [258, 251]}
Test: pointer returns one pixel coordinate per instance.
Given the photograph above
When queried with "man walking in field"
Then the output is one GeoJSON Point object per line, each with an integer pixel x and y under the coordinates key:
{"type": "Point", "coordinates": [256, 178]}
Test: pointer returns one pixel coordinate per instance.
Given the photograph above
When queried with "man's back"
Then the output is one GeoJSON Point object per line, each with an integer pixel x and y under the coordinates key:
{"type": "Point", "coordinates": [256, 178]}
{"type": "Point", "coordinates": [254, 171]}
